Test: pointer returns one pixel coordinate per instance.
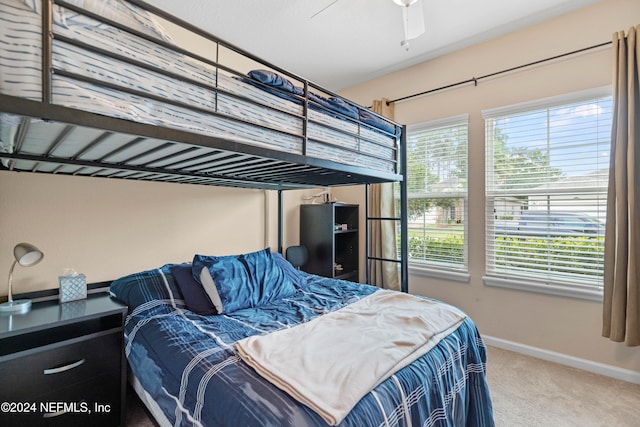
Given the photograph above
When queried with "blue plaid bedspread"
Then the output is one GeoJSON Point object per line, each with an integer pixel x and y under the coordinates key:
{"type": "Point", "coordinates": [187, 363]}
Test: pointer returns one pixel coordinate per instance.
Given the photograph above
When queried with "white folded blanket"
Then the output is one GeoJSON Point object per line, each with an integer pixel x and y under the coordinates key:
{"type": "Point", "coordinates": [332, 361]}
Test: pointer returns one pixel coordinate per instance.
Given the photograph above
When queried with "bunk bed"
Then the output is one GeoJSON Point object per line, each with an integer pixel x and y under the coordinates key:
{"type": "Point", "coordinates": [98, 88]}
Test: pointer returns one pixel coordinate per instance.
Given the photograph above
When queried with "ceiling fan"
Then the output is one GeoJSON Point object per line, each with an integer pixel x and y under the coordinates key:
{"type": "Point", "coordinates": [412, 19]}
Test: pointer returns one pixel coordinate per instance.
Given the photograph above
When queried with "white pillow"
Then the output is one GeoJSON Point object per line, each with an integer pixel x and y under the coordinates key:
{"type": "Point", "coordinates": [210, 288]}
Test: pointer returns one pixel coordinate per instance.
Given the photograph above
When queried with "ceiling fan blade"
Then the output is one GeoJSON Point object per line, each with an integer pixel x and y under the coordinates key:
{"type": "Point", "coordinates": [323, 9]}
{"type": "Point", "coordinates": [413, 20]}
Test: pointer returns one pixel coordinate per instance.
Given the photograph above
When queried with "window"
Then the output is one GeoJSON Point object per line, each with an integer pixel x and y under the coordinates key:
{"type": "Point", "coordinates": [546, 192]}
{"type": "Point", "coordinates": [437, 193]}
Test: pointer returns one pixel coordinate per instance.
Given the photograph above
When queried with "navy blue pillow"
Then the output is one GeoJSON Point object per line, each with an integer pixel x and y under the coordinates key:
{"type": "Point", "coordinates": [139, 288]}
{"type": "Point", "coordinates": [194, 294]}
{"type": "Point", "coordinates": [243, 281]}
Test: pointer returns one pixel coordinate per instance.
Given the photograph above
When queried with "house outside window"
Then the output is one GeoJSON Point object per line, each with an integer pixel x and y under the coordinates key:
{"type": "Point", "coordinates": [437, 194]}
{"type": "Point", "coordinates": [546, 192]}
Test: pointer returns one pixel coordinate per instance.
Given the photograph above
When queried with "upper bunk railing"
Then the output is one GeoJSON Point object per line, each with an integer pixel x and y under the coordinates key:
{"type": "Point", "coordinates": [307, 85]}
{"type": "Point", "coordinates": [49, 70]}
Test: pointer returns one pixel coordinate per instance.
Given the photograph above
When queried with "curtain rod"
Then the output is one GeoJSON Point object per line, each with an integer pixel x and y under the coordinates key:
{"type": "Point", "coordinates": [475, 80]}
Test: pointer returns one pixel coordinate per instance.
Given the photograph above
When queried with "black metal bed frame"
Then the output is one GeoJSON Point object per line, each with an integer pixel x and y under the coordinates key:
{"type": "Point", "coordinates": [224, 162]}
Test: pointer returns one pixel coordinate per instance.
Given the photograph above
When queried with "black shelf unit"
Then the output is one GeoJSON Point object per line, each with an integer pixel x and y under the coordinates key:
{"type": "Point", "coordinates": [330, 233]}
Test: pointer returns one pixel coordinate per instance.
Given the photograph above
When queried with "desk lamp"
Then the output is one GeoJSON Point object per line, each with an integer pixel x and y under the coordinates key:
{"type": "Point", "coordinates": [26, 255]}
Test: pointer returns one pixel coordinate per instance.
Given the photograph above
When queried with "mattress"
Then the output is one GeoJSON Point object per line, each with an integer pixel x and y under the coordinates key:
{"type": "Point", "coordinates": [188, 372]}
{"type": "Point", "coordinates": [167, 88]}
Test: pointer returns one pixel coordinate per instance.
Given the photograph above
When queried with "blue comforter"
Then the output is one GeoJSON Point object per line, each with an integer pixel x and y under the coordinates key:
{"type": "Point", "coordinates": [188, 364]}
{"type": "Point", "coordinates": [269, 80]}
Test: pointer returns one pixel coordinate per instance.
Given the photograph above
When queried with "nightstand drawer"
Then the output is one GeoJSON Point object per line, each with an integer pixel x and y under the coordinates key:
{"type": "Point", "coordinates": [95, 402]}
{"type": "Point", "coordinates": [30, 377]}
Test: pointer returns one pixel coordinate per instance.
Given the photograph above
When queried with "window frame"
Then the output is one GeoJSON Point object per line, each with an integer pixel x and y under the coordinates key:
{"type": "Point", "coordinates": [531, 284]}
{"type": "Point", "coordinates": [424, 268]}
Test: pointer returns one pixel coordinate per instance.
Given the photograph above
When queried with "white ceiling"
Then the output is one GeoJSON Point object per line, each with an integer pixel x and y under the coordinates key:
{"type": "Point", "coordinates": [353, 41]}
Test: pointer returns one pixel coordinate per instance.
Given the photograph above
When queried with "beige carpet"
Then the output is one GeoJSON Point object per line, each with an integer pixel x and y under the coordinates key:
{"type": "Point", "coordinates": [529, 392]}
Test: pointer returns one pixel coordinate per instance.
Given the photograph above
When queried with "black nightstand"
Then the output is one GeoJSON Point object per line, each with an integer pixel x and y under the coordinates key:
{"type": "Point", "coordinates": [64, 364]}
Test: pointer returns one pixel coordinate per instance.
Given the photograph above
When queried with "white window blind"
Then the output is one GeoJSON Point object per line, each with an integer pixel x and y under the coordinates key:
{"type": "Point", "coordinates": [546, 190]}
{"type": "Point", "coordinates": [437, 193]}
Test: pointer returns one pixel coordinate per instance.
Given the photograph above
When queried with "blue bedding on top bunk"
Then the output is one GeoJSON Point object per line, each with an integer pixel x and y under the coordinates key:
{"type": "Point", "coordinates": [329, 104]}
{"type": "Point", "coordinates": [187, 363]}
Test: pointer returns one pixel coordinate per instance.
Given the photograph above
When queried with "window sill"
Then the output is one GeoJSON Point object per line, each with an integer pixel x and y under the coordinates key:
{"type": "Point", "coordinates": [420, 270]}
{"type": "Point", "coordinates": [571, 291]}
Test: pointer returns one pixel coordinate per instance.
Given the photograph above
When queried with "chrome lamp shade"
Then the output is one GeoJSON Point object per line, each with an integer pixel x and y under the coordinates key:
{"type": "Point", "coordinates": [26, 255]}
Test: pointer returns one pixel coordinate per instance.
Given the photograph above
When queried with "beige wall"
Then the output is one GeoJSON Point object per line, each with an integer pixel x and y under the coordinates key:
{"type": "Point", "coordinates": [107, 228]}
{"type": "Point", "coordinates": [557, 324]}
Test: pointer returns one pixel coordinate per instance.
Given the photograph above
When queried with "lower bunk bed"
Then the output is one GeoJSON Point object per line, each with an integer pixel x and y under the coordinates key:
{"type": "Point", "coordinates": [249, 340]}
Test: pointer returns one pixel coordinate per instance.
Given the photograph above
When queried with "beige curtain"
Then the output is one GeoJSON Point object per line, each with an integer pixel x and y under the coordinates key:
{"type": "Point", "coordinates": [382, 237]}
{"type": "Point", "coordinates": [621, 308]}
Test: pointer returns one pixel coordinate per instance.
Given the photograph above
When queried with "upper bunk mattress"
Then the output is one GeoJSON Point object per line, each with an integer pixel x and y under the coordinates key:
{"type": "Point", "coordinates": [166, 88]}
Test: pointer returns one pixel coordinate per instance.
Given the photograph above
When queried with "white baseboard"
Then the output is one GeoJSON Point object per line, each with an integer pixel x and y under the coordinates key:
{"type": "Point", "coordinates": [564, 359]}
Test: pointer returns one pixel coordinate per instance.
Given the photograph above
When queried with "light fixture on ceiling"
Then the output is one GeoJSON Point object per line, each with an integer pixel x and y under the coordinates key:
{"type": "Point", "coordinates": [26, 255]}
{"type": "Point", "coordinates": [412, 20]}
